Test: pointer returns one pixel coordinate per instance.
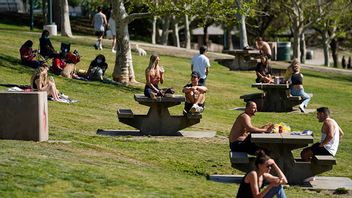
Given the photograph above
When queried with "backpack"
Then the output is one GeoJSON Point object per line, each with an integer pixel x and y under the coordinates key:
{"type": "Point", "coordinates": [57, 66]}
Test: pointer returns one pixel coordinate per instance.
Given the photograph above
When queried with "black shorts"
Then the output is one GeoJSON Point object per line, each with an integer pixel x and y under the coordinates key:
{"type": "Point", "coordinates": [99, 33]}
{"type": "Point", "coordinates": [317, 150]}
{"type": "Point", "coordinates": [244, 146]}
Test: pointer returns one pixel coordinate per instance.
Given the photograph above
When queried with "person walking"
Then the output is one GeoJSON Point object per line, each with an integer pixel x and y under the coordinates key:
{"type": "Point", "coordinates": [99, 22]}
{"type": "Point", "coordinates": [201, 64]}
{"type": "Point", "coordinates": [112, 27]}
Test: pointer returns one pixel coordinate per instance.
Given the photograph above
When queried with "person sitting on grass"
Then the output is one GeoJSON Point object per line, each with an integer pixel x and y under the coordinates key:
{"type": "Point", "coordinates": [40, 82]}
{"type": "Point", "coordinates": [195, 95]}
{"type": "Point", "coordinates": [254, 180]}
{"type": "Point", "coordinates": [263, 71]}
{"type": "Point", "coordinates": [28, 55]}
{"type": "Point", "coordinates": [97, 68]}
{"type": "Point", "coordinates": [331, 133]}
{"type": "Point", "coordinates": [46, 48]}
{"type": "Point", "coordinates": [239, 137]}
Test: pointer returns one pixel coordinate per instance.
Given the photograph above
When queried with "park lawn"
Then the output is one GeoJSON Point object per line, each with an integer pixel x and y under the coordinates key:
{"type": "Point", "coordinates": [90, 165]}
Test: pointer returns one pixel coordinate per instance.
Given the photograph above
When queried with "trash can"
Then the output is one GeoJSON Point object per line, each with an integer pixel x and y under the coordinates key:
{"type": "Point", "coordinates": [283, 51]}
{"type": "Point", "coordinates": [52, 29]}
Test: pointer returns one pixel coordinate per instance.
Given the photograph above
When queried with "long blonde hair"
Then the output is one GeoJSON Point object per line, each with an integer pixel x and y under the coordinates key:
{"type": "Point", "coordinates": [152, 62]}
{"type": "Point", "coordinates": [37, 75]}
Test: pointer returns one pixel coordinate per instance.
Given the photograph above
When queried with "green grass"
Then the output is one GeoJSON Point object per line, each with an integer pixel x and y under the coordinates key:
{"type": "Point", "coordinates": [103, 166]}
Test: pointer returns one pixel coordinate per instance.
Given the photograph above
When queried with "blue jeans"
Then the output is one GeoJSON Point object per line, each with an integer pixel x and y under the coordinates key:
{"type": "Point", "coordinates": [277, 190]}
{"type": "Point", "coordinates": [201, 81]}
{"type": "Point", "coordinates": [304, 95]}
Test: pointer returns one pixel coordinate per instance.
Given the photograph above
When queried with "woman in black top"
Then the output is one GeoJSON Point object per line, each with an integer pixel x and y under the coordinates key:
{"type": "Point", "coordinates": [263, 71]}
{"type": "Point", "coordinates": [297, 86]}
{"type": "Point", "coordinates": [46, 48]}
{"type": "Point", "coordinates": [253, 181]}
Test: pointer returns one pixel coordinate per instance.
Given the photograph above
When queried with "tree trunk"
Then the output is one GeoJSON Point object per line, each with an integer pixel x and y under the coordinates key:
{"type": "Point", "coordinates": [334, 48]}
{"type": "Point", "coordinates": [176, 36]}
{"type": "Point", "coordinates": [57, 13]}
{"type": "Point", "coordinates": [45, 12]}
{"type": "Point", "coordinates": [326, 48]}
{"type": "Point", "coordinates": [205, 35]}
{"type": "Point", "coordinates": [188, 33]}
{"type": "Point", "coordinates": [303, 48]}
{"type": "Point", "coordinates": [242, 26]}
{"type": "Point", "coordinates": [154, 30]}
{"type": "Point", "coordinates": [123, 70]}
{"type": "Point", "coordinates": [165, 33]}
{"type": "Point", "coordinates": [65, 19]}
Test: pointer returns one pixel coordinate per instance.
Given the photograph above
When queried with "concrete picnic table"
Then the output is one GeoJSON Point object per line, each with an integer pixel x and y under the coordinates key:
{"type": "Point", "coordinates": [158, 120]}
{"type": "Point", "coordinates": [274, 98]}
{"type": "Point", "coordinates": [280, 147]}
{"type": "Point", "coordinates": [244, 59]}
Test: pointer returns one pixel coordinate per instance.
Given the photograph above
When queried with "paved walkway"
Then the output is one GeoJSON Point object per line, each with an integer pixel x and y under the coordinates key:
{"type": "Point", "coordinates": [188, 53]}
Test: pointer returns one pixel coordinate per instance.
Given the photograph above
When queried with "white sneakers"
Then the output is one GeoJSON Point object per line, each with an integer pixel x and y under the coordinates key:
{"type": "Point", "coordinates": [196, 109]}
{"type": "Point", "coordinates": [301, 107]}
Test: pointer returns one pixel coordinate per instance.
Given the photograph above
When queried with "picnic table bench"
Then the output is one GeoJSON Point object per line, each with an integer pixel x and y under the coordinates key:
{"type": "Point", "coordinates": [274, 98]}
{"type": "Point", "coordinates": [158, 120]}
{"type": "Point", "coordinates": [280, 147]}
{"type": "Point", "coordinates": [244, 59]}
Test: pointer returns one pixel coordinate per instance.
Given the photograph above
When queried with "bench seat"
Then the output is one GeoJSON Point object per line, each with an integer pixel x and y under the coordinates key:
{"type": "Point", "coordinates": [252, 96]}
{"type": "Point", "coordinates": [324, 160]}
{"type": "Point", "coordinates": [294, 98]}
{"type": "Point", "coordinates": [125, 113]}
{"type": "Point", "coordinates": [239, 157]}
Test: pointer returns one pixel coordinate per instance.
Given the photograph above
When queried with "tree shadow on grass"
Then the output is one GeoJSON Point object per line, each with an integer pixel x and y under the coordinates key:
{"type": "Point", "coordinates": [12, 63]}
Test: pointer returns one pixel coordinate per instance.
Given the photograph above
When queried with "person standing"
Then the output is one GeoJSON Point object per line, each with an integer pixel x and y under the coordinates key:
{"type": "Point", "coordinates": [343, 62]}
{"type": "Point", "coordinates": [349, 63]}
{"type": "Point", "coordinates": [112, 27]}
{"type": "Point", "coordinates": [331, 133]}
{"type": "Point", "coordinates": [201, 64]}
{"type": "Point", "coordinates": [99, 22]}
{"type": "Point", "coordinates": [254, 180]}
{"type": "Point", "coordinates": [263, 47]}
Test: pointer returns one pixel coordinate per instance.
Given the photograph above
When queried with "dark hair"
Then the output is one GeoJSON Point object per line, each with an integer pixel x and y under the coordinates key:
{"type": "Point", "coordinates": [203, 49]}
{"type": "Point", "coordinates": [249, 103]}
{"type": "Point", "coordinates": [324, 110]}
{"type": "Point", "coordinates": [102, 57]}
{"type": "Point", "coordinates": [28, 43]}
{"type": "Point", "coordinates": [194, 73]}
{"type": "Point", "coordinates": [45, 32]}
{"type": "Point", "coordinates": [259, 38]}
{"type": "Point", "coordinates": [261, 157]}
{"type": "Point", "coordinates": [99, 8]}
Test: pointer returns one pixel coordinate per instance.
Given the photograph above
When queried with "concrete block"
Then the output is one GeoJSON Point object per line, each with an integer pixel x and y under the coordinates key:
{"type": "Point", "coordinates": [24, 116]}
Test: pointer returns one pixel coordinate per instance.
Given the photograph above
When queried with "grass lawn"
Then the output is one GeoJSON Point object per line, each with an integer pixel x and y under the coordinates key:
{"type": "Point", "coordinates": [102, 166]}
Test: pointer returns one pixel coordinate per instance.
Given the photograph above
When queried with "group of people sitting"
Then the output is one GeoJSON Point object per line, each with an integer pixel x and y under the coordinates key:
{"type": "Point", "coordinates": [63, 62]}
{"type": "Point", "coordinates": [194, 91]}
{"type": "Point", "coordinates": [240, 141]}
{"type": "Point", "coordinates": [293, 76]}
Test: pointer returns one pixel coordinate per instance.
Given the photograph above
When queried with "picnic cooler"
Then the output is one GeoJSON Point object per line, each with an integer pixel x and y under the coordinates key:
{"type": "Point", "coordinates": [283, 51]}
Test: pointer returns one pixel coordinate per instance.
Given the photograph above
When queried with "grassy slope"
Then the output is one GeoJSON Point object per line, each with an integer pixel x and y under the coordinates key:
{"type": "Point", "coordinates": [92, 165]}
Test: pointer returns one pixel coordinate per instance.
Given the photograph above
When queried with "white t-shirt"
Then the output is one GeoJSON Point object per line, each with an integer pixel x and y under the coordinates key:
{"type": "Point", "coordinates": [99, 22]}
{"type": "Point", "coordinates": [333, 144]}
{"type": "Point", "coordinates": [112, 26]}
{"type": "Point", "coordinates": [200, 62]}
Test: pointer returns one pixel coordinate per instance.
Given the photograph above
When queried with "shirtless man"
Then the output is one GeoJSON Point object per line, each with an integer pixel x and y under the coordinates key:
{"type": "Point", "coordinates": [195, 95]}
{"type": "Point", "coordinates": [239, 136]}
{"type": "Point", "coordinates": [263, 47]}
{"type": "Point", "coordinates": [330, 137]}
